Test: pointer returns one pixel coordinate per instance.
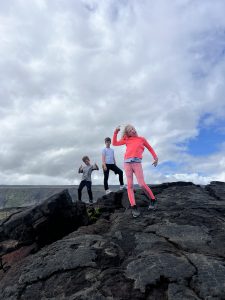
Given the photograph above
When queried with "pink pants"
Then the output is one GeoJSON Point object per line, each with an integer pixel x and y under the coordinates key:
{"type": "Point", "coordinates": [136, 168]}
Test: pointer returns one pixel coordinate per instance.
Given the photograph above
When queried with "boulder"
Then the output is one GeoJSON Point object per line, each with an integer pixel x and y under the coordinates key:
{"type": "Point", "coordinates": [27, 230]}
{"type": "Point", "coordinates": [175, 252]}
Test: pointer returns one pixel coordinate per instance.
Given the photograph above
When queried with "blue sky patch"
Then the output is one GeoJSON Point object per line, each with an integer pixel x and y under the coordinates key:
{"type": "Point", "coordinates": [209, 139]}
{"type": "Point", "coordinates": [168, 165]}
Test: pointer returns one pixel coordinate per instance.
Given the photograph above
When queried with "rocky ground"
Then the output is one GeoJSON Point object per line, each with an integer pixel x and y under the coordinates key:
{"type": "Point", "coordinates": [176, 252]}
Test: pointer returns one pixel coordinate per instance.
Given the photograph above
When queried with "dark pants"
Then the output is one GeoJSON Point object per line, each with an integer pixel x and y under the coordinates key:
{"type": "Point", "coordinates": [116, 170]}
{"type": "Point", "coordinates": [81, 186]}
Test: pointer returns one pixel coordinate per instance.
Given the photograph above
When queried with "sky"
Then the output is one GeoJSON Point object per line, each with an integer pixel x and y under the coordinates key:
{"type": "Point", "coordinates": [72, 71]}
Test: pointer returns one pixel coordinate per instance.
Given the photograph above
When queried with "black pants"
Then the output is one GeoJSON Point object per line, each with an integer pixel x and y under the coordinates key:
{"type": "Point", "coordinates": [81, 186]}
{"type": "Point", "coordinates": [116, 170]}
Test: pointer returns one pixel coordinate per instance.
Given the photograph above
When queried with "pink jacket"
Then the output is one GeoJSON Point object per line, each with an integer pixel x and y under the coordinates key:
{"type": "Point", "coordinates": [135, 145]}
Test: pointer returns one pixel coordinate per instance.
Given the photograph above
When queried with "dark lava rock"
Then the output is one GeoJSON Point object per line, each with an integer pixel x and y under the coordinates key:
{"type": "Point", "coordinates": [28, 230]}
{"type": "Point", "coordinates": [175, 253]}
{"type": "Point", "coordinates": [216, 189]}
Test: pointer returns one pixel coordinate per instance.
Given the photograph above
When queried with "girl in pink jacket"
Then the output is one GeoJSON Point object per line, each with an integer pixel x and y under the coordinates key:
{"type": "Point", "coordinates": [132, 163]}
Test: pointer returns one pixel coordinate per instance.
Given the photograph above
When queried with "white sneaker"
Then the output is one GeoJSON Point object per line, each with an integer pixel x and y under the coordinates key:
{"type": "Point", "coordinates": [123, 187]}
{"type": "Point", "coordinates": [108, 192]}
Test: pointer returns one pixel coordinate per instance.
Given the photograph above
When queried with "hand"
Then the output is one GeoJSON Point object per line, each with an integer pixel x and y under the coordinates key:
{"type": "Point", "coordinates": [104, 167]}
{"type": "Point", "coordinates": [155, 162]}
{"type": "Point", "coordinates": [117, 128]}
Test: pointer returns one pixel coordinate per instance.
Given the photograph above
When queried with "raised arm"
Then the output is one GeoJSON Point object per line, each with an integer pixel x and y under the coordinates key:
{"type": "Point", "coordinates": [80, 170]}
{"type": "Point", "coordinates": [95, 167]}
{"type": "Point", "coordinates": [115, 142]}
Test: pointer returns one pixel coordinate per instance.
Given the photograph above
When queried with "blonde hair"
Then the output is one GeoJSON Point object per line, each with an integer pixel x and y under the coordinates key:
{"type": "Point", "coordinates": [125, 130]}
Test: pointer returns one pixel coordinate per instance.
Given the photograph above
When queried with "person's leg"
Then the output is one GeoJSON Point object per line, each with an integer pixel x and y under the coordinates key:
{"type": "Point", "coordinates": [88, 185]}
{"type": "Point", "coordinates": [106, 177]}
{"type": "Point", "coordinates": [118, 171]}
{"type": "Point", "coordinates": [80, 188]}
{"type": "Point", "coordinates": [130, 190]}
{"type": "Point", "coordinates": [138, 171]}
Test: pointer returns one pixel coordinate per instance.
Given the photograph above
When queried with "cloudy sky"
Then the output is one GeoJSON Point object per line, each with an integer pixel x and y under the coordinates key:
{"type": "Point", "coordinates": [71, 71]}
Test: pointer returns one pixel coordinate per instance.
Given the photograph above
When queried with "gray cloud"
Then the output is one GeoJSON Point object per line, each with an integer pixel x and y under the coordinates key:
{"type": "Point", "coordinates": [71, 71]}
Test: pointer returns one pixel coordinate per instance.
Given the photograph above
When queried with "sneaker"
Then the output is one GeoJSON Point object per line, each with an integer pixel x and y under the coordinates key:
{"type": "Point", "coordinates": [90, 201]}
{"type": "Point", "coordinates": [123, 187]}
{"type": "Point", "coordinates": [108, 192]}
{"type": "Point", "coordinates": [135, 211]}
{"type": "Point", "coordinates": [153, 204]}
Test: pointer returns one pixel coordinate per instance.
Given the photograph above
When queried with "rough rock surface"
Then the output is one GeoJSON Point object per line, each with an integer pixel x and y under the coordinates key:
{"type": "Point", "coordinates": [27, 230]}
{"type": "Point", "coordinates": [176, 252]}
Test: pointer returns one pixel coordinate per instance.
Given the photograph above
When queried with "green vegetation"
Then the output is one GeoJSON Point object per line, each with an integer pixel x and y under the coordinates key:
{"type": "Point", "coordinates": [93, 214]}
{"type": "Point", "coordinates": [4, 214]}
{"type": "Point", "coordinates": [16, 198]}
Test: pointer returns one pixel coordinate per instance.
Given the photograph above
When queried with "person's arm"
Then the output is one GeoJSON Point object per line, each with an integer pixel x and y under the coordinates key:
{"type": "Point", "coordinates": [103, 161]}
{"type": "Point", "coordinates": [114, 158]}
{"type": "Point", "coordinates": [95, 167]}
{"type": "Point", "coordinates": [115, 142]}
{"type": "Point", "coordinates": [150, 149]}
{"type": "Point", "coordinates": [80, 170]}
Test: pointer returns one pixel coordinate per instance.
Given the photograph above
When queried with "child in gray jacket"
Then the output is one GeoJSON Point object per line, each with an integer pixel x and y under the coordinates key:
{"type": "Point", "coordinates": [86, 178]}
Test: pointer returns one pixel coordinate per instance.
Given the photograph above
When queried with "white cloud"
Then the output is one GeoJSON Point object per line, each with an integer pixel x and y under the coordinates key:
{"type": "Point", "coordinates": [71, 71]}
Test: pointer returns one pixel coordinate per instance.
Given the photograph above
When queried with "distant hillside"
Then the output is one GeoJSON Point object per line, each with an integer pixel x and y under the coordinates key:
{"type": "Point", "coordinates": [26, 195]}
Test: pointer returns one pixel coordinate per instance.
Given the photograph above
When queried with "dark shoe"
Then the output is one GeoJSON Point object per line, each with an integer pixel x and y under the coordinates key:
{"type": "Point", "coordinates": [135, 211]}
{"type": "Point", "coordinates": [153, 205]}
